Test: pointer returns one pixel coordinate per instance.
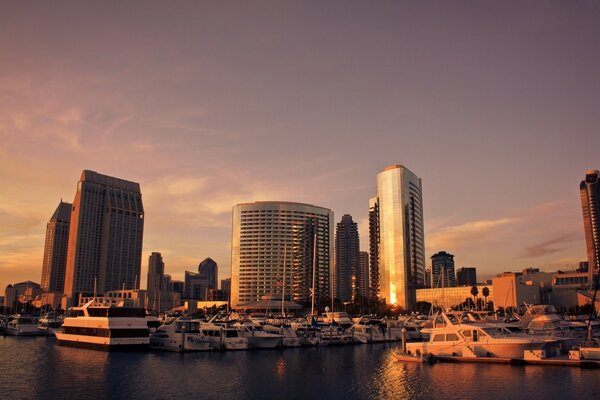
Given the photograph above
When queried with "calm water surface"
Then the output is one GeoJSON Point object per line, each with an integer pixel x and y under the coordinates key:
{"type": "Point", "coordinates": [37, 368]}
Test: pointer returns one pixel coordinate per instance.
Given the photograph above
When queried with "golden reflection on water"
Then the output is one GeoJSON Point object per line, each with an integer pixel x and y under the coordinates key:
{"type": "Point", "coordinates": [280, 368]}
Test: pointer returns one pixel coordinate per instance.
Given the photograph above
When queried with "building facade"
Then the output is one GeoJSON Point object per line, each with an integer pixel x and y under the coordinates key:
{"type": "Point", "coordinates": [156, 273]}
{"type": "Point", "coordinates": [347, 260]}
{"type": "Point", "coordinates": [55, 249]}
{"type": "Point", "coordinates": [209, 268]}
{"type": "Point", "coordinates": [442, 270]}
{"type": "Point", "coordinates": [363, 283]}
{"type": "Point", "coordinates": [466, 276]}
{"type": "Point", "coordinates": [105, 237]}
{"type": "Point", "coordinates": [589, 190]}
{"type": "Point", "coordinates": [397, 240]}
{"type": "Point", "coordinates": [265, 234]}
{"type": "Point", "coordinates": [454, 297]}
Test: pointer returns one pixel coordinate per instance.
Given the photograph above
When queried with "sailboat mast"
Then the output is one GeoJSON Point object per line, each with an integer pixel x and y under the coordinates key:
{"type": "Point", "coordinates": [314, 272]}
{"type": "Point", "coordinates": [283, 283]}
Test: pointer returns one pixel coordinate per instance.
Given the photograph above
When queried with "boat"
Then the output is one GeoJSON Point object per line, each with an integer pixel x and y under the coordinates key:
{"type": "Point", "coordinates": [420, 358]}
{"type": "Point", "coordinates": [368, 330]}
{"type": "Point", "coordinates": [223, 336]}
{"type": "Point", "coordinates": [180, 335]}
{"type": "Point", "coordinates": [281, 326]}
{"type": "Point", "coordinates": [257, 337]}
{"type": "Point", "coordinates": [48, 324]}
{"type": "Point", "coordinates": [106, 324]}
{"type": "Point", "coordinates": [453, 335]}
{"type": "Point", "coordinates": [22, 325]}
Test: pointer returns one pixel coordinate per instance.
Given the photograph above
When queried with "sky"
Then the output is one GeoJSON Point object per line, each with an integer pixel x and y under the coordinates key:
{"type": "Point", "coordinates": [494, 105]}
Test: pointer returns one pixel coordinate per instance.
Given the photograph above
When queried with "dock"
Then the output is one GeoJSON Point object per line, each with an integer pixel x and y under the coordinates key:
{"type": "Point", "coordinates": [560, 360]}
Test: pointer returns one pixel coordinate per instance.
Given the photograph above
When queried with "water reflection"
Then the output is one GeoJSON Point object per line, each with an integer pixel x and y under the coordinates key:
{"type": "Point", "coordinates": [38, 368]}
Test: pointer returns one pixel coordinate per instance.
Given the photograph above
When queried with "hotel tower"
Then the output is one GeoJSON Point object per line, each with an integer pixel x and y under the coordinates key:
{"type": "Point", "coordinates": [590, 204]}
{"type": "Point", "coordinates": [262, 232]}
{"type": "Point", "coordinates": [397, 241]}
{"type": "Point", "coordinates": [105, 237]}
{"type": "Point", "coordinates": [55, 249]}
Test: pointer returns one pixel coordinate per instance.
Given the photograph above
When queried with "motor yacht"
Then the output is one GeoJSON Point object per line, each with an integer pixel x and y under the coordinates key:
{"type": "Point", "coordinates": [257, 337]}
{"type": "Point", "coordinates": [289, 338]}
{"type": "Point", "coordinates": [106, 324]}
{"type": "Point", "coordinates": [180, 335]}
{"type": "Point", "coordinates": [368, 330]}
{"type": "Point", "coordinates": [453, 335]}
{"type": "Point", "coordinates": [22, 325]}
{"type": "Point", "coordinates": [48, 324]}
{"type": "Point", "coordinates": [223, 336]}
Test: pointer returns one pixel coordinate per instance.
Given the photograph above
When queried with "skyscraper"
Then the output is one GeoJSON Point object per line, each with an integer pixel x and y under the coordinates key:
{"type": "Point", "coordinates": [55, 249]}
{"type": "Point", "coordinates": [397, 236]}
{"type": "Point", "coordinates": [347, 262]}
{"type": "Point", "coordinates": [105, 236]}
{"type": "Point", "coordinates": [590, 204]}
{"type": "Point", "coordinates": [363, 282]}
{"type": "Point", "coordinates": [262, 231]}
{"type": "Point", "coordinates": [442, 269]}
{"type": "Point", "coordinates": [209, 268]}
{"type": "Point", "coordinates": [156, 273]}
{"type": "Point", "coordinates": [466, 276]}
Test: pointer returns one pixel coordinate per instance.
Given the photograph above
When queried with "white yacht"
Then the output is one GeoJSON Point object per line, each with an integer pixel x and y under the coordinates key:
{"type": "Point", "coordinates": [106, 324]}
{"type": "Point", "coordinates": [336, 317]}
{"type": "Point", "coordinates": [452, 335]}
{"type": "Point", "coordinates": [368, 330]}
{"type": "Point", "coordinates": [22, 325]}
{"type": "Point", "coordinates": [223, 337]}
{"type": "Point", "coordinates": [48, 324]}
{"type": "Point", "coordinates": [289, 338]}
{"type": "Point", "coordinates": [180, 335]}
{"type": "Point", "coordinates": [258, 338]}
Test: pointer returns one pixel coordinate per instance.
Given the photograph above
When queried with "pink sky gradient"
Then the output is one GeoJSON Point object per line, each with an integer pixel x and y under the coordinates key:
{"type": "Point", "coordinates": [495, 106]}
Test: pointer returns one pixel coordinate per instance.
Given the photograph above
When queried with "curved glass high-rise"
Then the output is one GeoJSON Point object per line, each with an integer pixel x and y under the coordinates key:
{"type": "Point", "coordinates": [261, 232]}
{"type": "Point", "coordinates": [397, 237]}
{"type": "Point", "coordinates": [590, 204]}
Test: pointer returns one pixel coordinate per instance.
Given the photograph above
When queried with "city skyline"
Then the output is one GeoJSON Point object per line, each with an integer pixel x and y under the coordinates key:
{"type": "Point", "coordinates": [216, 105]}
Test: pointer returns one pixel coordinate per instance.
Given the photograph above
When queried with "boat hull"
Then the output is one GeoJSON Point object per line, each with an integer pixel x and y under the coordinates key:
{"type": "Point", "coordinates": [102, 343]}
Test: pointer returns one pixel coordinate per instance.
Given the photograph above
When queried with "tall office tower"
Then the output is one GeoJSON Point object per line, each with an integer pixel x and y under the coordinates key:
{"type": "Point", "coordinates": [466, 276]}
{"type": "Point", "coordinates": [156, 273]}
{"type": "Point", "coordinates": [363, 282]}
{"type": "Point", "coordinates": [210, 270]}
{"type": "Point", "coordinates": [55, 249]}
{"type": "Point", "coordinates": [105, 237]}
{"type": "Point", "coordinates": [442, 270]}
{"type": "Point", "coordinates": [347, 262]}
{"type": "Point", "coordinates": [590, 204]}
{"type": "Point", "coordinates": [396, 225]}
{"type": "Point", "coordinates": [196, 286]}
{"type": "Point", "coordinates": [373, 248]}
{"type": "Point", "coordinates": [262, 231]}
{"type": "Point", "coordinates": [226, 287]}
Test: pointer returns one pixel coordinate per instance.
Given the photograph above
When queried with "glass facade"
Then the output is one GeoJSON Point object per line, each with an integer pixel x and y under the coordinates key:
{"type": "Point", "coordinates": [452, 297]}
{"type": "Point", "coordinates": [590, 204]}
{"type": "Point", "coordinates": [397, 214]}
{"type": "Point", "coordinates": [262, 233]}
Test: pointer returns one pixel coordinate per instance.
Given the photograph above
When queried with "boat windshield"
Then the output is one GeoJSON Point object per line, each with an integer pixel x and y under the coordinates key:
{"type": "Point", "coordinates": [496, 332]}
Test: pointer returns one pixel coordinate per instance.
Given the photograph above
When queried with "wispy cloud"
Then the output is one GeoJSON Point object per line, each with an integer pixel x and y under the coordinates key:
{"type": "Point", "coordinates": [547, 247]}
{"type": "Point", "coordinates": [448, 237]}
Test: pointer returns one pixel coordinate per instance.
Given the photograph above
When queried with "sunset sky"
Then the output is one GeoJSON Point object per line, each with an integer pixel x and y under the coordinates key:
{"type": "Point", "coordinates": [495, 105]}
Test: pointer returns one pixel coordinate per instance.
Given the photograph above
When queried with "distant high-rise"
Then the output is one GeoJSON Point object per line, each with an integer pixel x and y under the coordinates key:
{"type": "Point", "coordinates": [590, 204]}
{"type": "Point", "coordinates": [156, 273]}
{"type": "Point", "coordinates": [55, 249]}
{"type": "Point", "coordinates": [466, 276]}
{"type": "Point", "coordinates": [397, 240]}
{"type": "Point", "coordinates": [196, 286]}
{"type": "Point", "coordinates": [226, 287]}
{"type": "Point", "coordinates": [363, 282]}
{"type": "Point", "coordinates": [208, 267]}
{"type": "Point", "coordinates": [105, 236]}
{"type": "Point", "coordinates": [442, 269]}
{"type": "Point", "coordinates": [347, 262]}
{"type": "Point", "coordinates": [261, 232]}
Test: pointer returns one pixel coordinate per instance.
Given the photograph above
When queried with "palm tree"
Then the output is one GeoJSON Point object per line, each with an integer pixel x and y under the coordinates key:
{"type": "Point", "coordinates": [486, 293]}
{"type": "Point", "coordinates": [474, 293]}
